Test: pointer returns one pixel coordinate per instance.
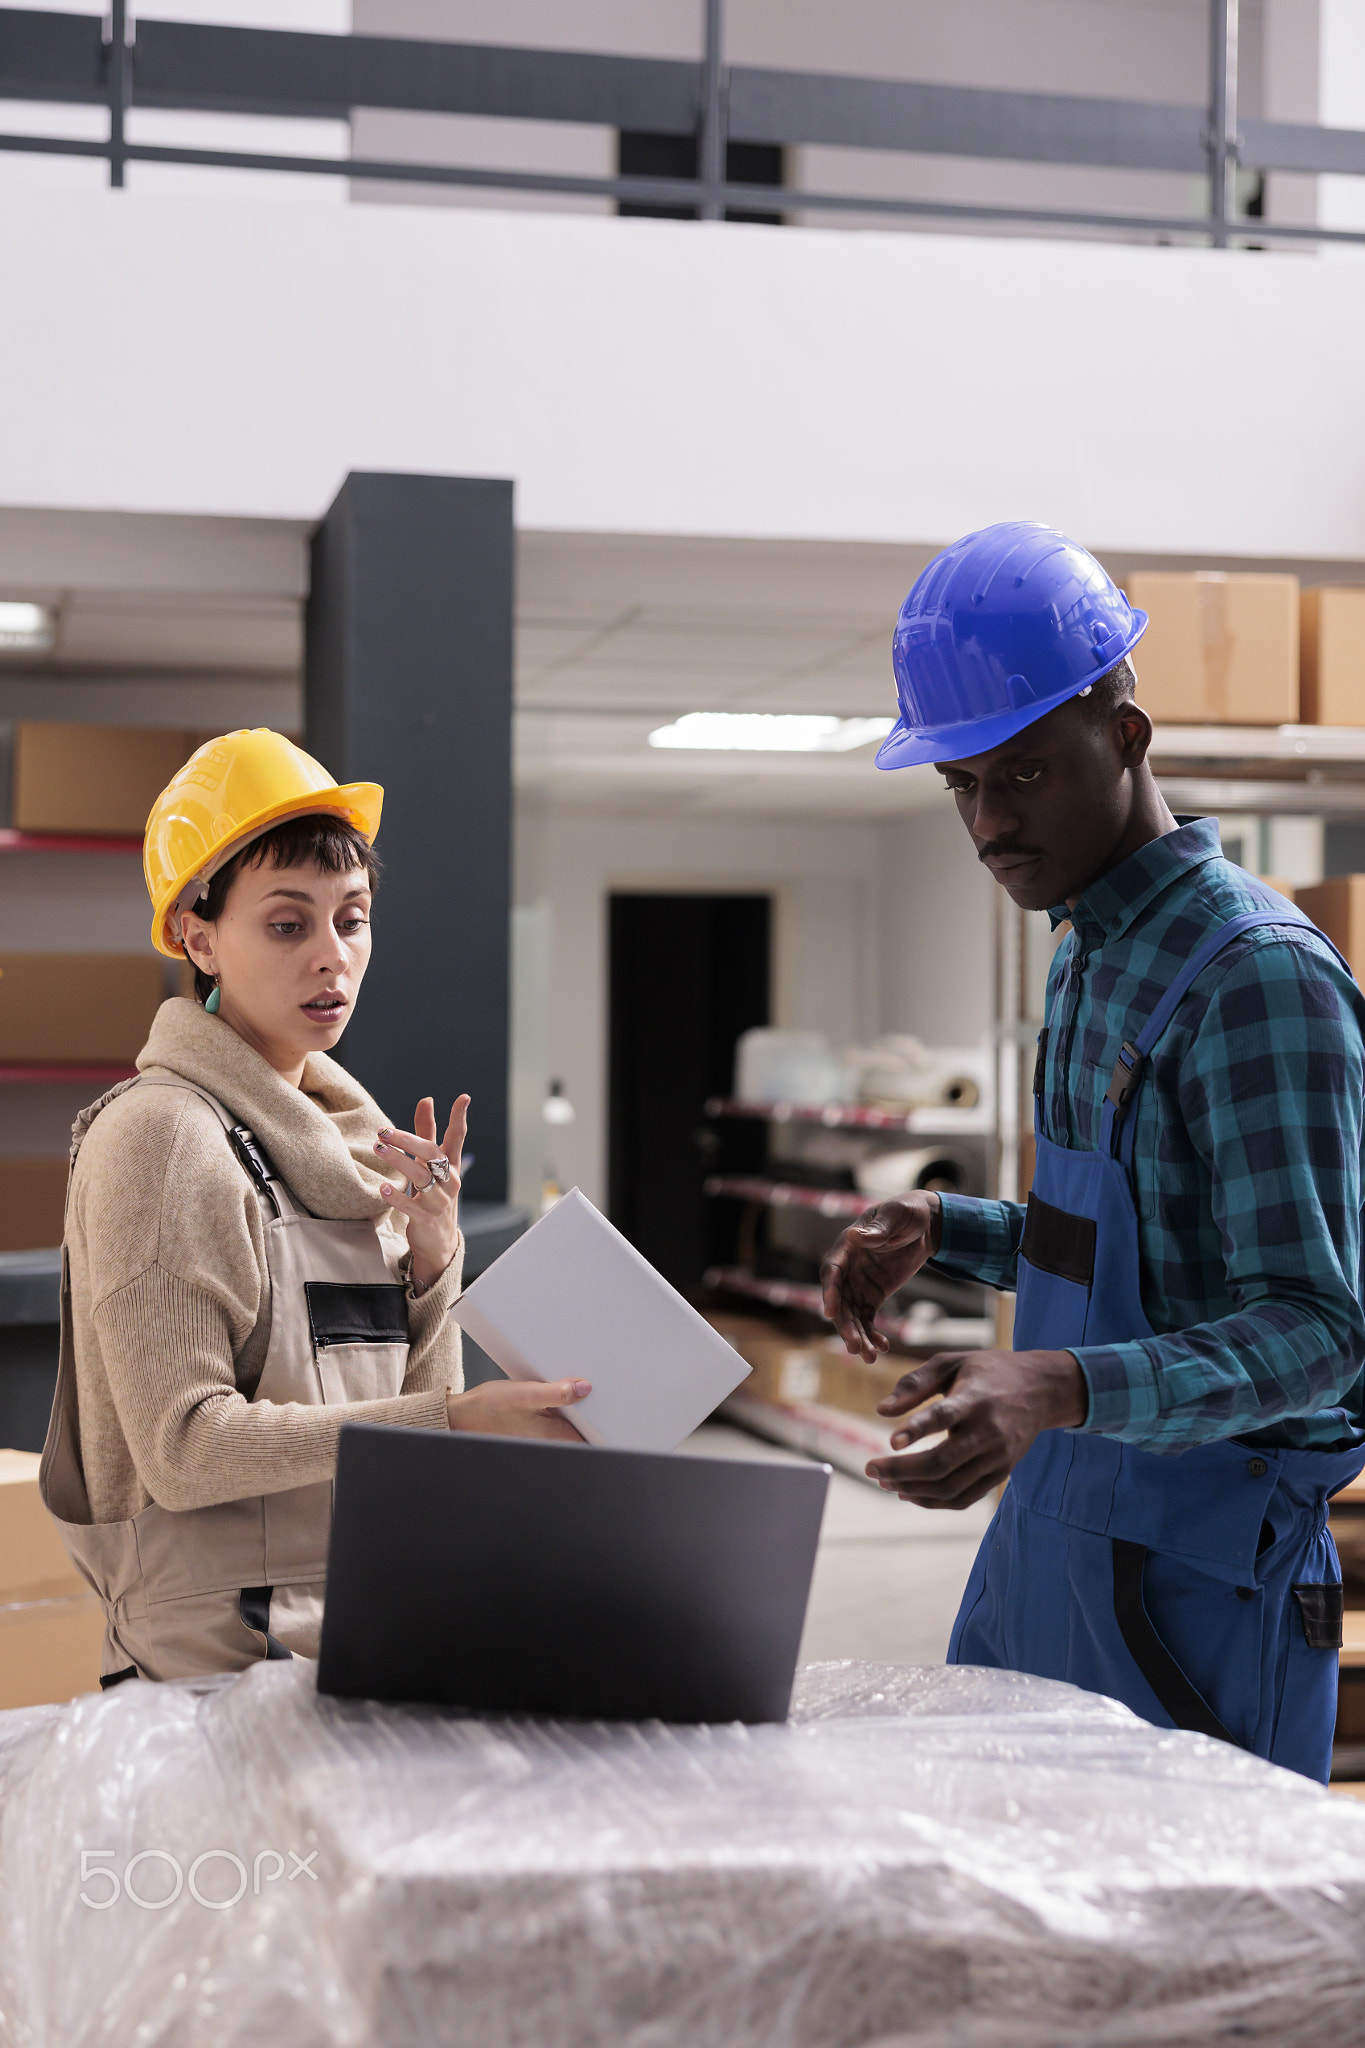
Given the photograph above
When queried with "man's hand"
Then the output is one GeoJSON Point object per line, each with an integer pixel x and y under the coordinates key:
{"type": "Point", "coordinates": [994, 1404]}
{"type": "Point", "coordinates": [875, 1256]}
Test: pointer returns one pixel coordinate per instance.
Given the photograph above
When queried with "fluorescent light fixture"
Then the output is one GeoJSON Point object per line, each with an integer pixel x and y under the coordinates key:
{"type": "Point", "coordinates": [771, 732]}
{"type": "Point", "coordinates": [26, 626]}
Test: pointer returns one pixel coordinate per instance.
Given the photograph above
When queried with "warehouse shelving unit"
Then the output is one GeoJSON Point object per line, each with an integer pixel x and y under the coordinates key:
{"type": "Point", "coordinates": [97, 1074]}
{"type": "Point", "coordinates": [65, 842]}
{"type": "Point", "coordinates": [917, 1324]}
{"type": "Point", "coordinates": [859, 1116]}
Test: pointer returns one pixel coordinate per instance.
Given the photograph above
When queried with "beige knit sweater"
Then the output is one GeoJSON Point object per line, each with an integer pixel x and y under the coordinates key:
{"type": "Point", "coordinates": [169, 1285]}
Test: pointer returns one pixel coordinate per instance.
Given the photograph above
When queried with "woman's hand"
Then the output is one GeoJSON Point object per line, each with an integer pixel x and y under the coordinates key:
{"type": "Point", "coordinates": [518, 1408]}
{"type": "Point", "coordinates": [433, 1206]}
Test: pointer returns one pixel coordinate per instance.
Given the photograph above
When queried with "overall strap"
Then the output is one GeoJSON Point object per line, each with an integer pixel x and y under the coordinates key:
{"type": "Point", "coordinates": [250, 1154]}
{"type": "Point", "coordinates": [1126, 1078]}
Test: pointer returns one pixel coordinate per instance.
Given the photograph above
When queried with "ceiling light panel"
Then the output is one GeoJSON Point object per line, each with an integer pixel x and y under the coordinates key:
{"type": "Point", "coordinates": [26, 628]}
{"type": "Point", "coordinates": [770, 732]}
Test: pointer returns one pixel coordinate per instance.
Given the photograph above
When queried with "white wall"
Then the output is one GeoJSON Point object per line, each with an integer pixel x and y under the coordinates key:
{"type": "Point", "coordinates": [1341, 103]}
{"type": "Point", "coordinates": [664, 377]}
{"type": "Point", "coordinates": [878, 927]}
{"type": "Point", "coordinates": [827, 964]}
{"type": "Point", "coordinates": [936, 934]}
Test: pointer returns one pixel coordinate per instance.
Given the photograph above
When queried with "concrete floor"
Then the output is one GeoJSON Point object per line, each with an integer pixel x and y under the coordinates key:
{"type": "Point", "coordinates": [888, 1576]}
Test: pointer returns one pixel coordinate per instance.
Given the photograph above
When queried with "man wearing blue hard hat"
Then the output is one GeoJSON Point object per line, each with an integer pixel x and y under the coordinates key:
{"type": "Point", "coordinates": [1186, 1390]}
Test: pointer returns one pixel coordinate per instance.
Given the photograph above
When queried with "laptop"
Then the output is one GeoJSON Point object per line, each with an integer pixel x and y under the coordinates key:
{"type": "Point", "coordinates": [514, 1575]}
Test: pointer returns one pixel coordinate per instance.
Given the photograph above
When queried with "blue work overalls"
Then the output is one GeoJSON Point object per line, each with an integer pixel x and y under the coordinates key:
{"type": "Point", "coordinates": [1201, 1588]}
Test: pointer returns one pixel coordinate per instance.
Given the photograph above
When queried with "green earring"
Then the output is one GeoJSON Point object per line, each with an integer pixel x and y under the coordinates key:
{"type": "Point", "coordinates": [214, 998]}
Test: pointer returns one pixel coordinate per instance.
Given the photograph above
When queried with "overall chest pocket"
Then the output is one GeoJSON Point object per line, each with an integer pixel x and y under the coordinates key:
{"type": "Point", "coordinates": [1057, 1272]}
{"type": "Point", "coordinates": [360, 1337]}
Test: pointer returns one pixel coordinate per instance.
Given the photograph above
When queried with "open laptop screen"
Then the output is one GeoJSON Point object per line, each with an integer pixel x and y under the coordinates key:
{"type": "Point", "coordinates": [511, 1574]}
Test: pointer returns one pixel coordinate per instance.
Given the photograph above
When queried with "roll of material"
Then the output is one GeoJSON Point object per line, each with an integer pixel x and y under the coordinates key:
{"type": "Point", "coordinates": [887, 1175]}
{"type": "Point", "coordinates": [899, 1072]}
{"type": "Point", "coordinates": [791, 1066]}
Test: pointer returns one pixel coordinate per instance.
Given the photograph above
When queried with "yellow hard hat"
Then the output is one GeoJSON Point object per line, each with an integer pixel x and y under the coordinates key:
{"type": "Point", "coordinates": [226, 795]}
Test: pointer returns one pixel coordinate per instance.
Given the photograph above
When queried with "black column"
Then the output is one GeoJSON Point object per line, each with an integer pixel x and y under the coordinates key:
{"type": "Point", "coordinates": [409, 684]}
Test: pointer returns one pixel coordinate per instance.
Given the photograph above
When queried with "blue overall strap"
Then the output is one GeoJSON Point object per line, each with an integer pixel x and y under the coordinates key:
{"type": "Point", "coordinates": [1128, 1068]}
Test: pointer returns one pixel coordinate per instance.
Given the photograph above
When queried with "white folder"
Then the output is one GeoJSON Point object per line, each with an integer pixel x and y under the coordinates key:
{"type": "Point", "coordinates": [571, 1299]}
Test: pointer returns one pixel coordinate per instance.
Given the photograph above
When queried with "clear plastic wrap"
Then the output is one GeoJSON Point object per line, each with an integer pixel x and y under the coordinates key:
{"type": "Point", "coordinates": [944, 1858]}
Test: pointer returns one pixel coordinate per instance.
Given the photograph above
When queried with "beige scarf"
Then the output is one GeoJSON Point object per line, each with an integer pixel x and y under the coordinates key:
{"type": "Point", "coordinates": [319, 1138]}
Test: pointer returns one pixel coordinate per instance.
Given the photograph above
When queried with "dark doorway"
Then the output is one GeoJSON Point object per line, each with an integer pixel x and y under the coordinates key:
{"type": "Point", "coordinates": [688, 975]}
{"type": "Point", "coordinates": [640, 153]}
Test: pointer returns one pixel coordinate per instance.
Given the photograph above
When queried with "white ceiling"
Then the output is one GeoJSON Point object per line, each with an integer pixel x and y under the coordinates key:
{"type": "Point", "coordinates": [165, 621]}
{"type": "Point", "coordinates": [198, 623]}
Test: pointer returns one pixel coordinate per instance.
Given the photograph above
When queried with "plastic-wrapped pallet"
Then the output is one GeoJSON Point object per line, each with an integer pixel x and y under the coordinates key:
{"type": "Point", "coordinates": [944, 1858]}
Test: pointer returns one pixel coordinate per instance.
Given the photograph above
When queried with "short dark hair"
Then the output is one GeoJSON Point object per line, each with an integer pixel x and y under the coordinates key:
{"type": "Point", "coordinates": [1113, 688]}
{"type": "Point", "coordinates": [318, 839]}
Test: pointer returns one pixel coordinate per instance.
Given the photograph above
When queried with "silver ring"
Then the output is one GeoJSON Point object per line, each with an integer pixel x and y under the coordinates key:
{"type": "Point", "coordinates": [439, 1169]}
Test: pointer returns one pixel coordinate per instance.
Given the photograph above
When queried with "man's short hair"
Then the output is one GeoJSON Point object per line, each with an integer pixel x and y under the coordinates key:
{"type": "Point", "coordinates": [1114, 687]}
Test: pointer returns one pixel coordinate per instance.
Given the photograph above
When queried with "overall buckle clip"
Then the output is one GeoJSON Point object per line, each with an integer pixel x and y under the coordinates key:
{"type": "Point", "coordinates": [1126, 1077]}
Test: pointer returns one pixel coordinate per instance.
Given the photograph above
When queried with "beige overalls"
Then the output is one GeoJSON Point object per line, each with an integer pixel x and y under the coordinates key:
{"type": "Point", "coordinates": [217, 1588]}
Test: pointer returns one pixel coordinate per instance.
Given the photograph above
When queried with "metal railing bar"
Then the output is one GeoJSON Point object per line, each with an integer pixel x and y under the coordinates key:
{"type": "Point", "coordinates": [1222, 123]}
{"type": "Point", "coordinates": [678, 191]}
{"type": "Point", "coordinates": [713, 113]}
{"type": "Point", "coordinates": [51, 56]}
{"type": "Point", "coordinates": [205, 66]}
{"type": "Point", "coordinates": [951, 120]}
{"type": "Point", "coordinates": [1298, 146]}
{"type": "Point", "coordinates": [197, 66]}
{"type": "Point", "coordinates": [54, 145]}
{"type": "Point", "coordinates": [119, 59]}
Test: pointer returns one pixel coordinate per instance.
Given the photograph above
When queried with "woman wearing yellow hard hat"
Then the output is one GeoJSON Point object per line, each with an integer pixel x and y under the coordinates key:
{"type": "Point", "coordinates": [253, 1255]}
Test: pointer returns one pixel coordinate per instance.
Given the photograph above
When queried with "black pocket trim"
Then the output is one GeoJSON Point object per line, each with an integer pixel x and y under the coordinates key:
{"type": "Point", "coordinates": [112, 1678]}
{"type": "Point", "coordinates": [1057, 1242]}
{"type": "Point", "coordinates": [1181, 1699]}
{"type": "Point", "coordinates": [1321, 1609]}
{"type": "Point", "coordinates": [253, 1604]}
{"type": "Point", "coordinates": [361, 1312]}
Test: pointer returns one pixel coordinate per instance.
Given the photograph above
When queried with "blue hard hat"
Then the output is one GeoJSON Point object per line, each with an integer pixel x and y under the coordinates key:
{"type": "Point", "coordinates": [1000, 629]}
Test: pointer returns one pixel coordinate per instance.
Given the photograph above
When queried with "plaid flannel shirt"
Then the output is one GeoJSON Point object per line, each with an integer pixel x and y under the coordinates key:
{"type": "Point", "coordinates": [1247, 1159]}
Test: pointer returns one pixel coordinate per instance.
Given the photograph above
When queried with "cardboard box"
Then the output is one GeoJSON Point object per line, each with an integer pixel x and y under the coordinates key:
{"type": "Point", "coordinates": [1332, 656]}
{"type": "Point", "coordinates": [1338, 908]}
{"type": "Point", "coordinates": [1219, 649]}
{"type": "Point", "coordinates": [50, 1650]}
{"type": "Point", "coordinates": [788, 1368]}
{"type": "Point", "coordinates": [78, 1006]}
{"type": "Point", "coordinates": [92, 778]}
{"type": "Point", "coordinates": [848, 1383]}
{"type": "Point", "coordinates": [32, 1206]}
{"type": "Point", "coordinates": [33, 1560]}
{"type": "Point", "coordinates": [781, 1367]}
